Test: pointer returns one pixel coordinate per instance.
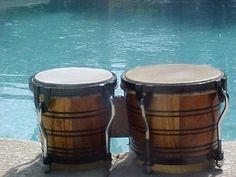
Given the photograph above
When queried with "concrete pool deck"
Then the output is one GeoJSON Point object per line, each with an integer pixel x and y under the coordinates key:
{"type": "Point", "coordinates": [23, 159]}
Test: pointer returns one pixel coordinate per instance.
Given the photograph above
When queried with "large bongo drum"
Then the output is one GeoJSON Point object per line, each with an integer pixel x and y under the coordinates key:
{"type": "Point", "coordinates": [74, 110]}
{"type": "Point", "coordinates": [174, 114]}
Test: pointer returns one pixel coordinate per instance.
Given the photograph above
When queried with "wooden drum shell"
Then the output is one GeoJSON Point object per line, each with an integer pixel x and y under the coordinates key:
{"type": "Point", "coordinates": [182, 126]}
{"type": "Point", "coordinates": [75, 128]}
{"type": "Point", "coordinates": [74, 109]}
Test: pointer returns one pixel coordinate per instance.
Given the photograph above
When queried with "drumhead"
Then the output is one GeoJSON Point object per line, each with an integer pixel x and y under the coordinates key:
{"type": "Point", "coordinates": [173, 74]}
{"type": "Point", "coordinates": [73, 81]}
{"type": "Point", "coordinates": [73, 76]}
{"type": "Point", "coordinates": [172, 77]}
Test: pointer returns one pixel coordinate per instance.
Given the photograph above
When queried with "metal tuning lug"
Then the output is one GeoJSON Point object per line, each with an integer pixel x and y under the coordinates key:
{"type": "Point", "coordinates": [147, 162]}
{"type": "Point", "coordinates": [46, 160]}
{"type": "Point", "coordinates": [219, 154]}
{"type": "Point", "coordinates": [109, 158]}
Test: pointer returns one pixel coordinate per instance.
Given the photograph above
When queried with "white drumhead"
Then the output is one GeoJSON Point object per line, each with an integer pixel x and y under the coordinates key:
{"type": "Point", "coordinates": [71, 76]}
{"type": "Point", "coordinates": [173, 74]}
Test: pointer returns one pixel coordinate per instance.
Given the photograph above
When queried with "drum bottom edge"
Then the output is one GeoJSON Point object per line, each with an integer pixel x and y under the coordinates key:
{"type": "Point", "coordinates": [174, 160]}
{"type": "Point", "coordinates": [52, 158]}
{"type": "Point", "coordinates": [180, 169]}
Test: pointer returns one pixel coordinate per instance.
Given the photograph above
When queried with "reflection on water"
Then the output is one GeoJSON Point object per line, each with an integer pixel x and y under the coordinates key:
{"type": "Point", "coordinates": [17, 118]}
{"type": "Point", "coordinates": [5, 4]}
{"type": "Point", "coordinates": [113, 34]}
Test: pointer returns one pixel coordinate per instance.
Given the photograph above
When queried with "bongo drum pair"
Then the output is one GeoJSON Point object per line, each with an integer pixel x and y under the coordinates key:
{"type": "Point", "coordinates": [174, 113]}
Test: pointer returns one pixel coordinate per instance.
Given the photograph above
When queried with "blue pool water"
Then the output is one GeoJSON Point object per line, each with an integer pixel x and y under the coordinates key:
{"type": "Point", "coordinates": [113, 34]}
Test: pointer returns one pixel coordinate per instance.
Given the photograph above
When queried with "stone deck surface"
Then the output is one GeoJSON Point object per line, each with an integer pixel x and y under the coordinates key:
{"type": "Point", "coordinates": [23, 159]}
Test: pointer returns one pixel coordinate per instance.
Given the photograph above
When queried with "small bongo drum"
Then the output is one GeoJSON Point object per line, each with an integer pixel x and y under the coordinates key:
{"type": "Point", "coordinates": [75, 110]}
{"type": "Point", "coordinates": [174, 113]}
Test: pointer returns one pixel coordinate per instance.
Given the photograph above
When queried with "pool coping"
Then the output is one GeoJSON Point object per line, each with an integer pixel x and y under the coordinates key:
{"type": "Point", "coordinates": [22, 158]}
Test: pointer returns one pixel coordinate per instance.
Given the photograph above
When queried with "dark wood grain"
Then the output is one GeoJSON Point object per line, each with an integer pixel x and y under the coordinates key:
{"type": "Point", "coordinates": [182, 125]}
{"type": "Point", "coordinates": [76, 126]}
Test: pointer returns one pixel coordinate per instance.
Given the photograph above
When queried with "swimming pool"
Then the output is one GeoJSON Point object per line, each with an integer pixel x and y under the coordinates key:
{"type": "Point", "coordinates": [116, 35]}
